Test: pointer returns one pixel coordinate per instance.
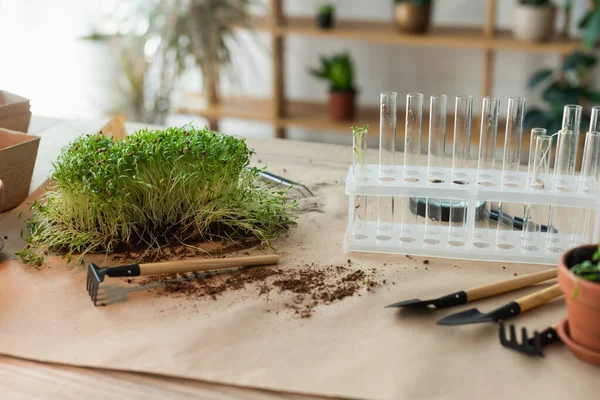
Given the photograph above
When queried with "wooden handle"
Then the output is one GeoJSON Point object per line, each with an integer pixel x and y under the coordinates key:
{"type": "Point", "coordinates": [509, 285]}
{"type": "Point", "coordinates": [539, 298]}
{"type": "Point", "coordinates": [172, 267]}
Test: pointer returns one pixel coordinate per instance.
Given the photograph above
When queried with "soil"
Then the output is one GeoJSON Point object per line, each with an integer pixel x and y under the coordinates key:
{"type": "Point", "coordinates": [309, 285]}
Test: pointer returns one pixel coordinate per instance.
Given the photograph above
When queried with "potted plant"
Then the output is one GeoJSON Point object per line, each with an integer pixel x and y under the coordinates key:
{"type": "Point", "coordinates": [325, 15]}
{"type": "Point", "coordinates": [339, 71]}
{"type": "Point", "coordinates": [575, 88]}
{"type": "Point", "coordinates": [412, 16]}
{"type": "Point", "coordinates": [534, 20]}
{"type": "Point", "coordinates": [579, 280]}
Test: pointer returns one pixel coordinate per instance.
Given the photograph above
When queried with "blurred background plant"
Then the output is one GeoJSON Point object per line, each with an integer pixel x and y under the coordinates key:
{"type": "Point", "coordinates": [572, 83]}
{"type": "Point", "coordinates": [161, 39]}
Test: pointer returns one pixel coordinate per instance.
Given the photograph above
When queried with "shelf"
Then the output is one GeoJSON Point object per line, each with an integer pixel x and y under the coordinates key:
{"type": "Point", "coordinates": [438, 36]}
{"type": "Point", "coordinates": [232, 107]}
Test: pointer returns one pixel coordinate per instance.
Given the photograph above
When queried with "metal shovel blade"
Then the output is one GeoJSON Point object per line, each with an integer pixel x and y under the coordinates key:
{"type": "Point", "coordinates": [474, 316]}
{"type": "Point", "coordinates": [453, 299]}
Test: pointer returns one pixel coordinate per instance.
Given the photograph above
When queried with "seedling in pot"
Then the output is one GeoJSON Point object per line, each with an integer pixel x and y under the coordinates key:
{"type": "Point", "coordinates": [325, 16]}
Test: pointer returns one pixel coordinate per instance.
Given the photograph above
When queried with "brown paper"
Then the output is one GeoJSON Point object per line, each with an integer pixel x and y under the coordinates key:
{"type": "Point", "coordinates": [354, 347]}
{"type": "Point", "coordinates": [18, 152]}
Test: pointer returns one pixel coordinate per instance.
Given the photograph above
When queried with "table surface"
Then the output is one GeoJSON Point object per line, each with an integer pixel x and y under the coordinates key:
{"type": "Point", "coordinates": [24, 379]}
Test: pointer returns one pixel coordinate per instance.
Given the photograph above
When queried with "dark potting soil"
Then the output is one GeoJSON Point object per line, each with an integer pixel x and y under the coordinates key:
{"type": "Point", "coordinates": [310, 285]}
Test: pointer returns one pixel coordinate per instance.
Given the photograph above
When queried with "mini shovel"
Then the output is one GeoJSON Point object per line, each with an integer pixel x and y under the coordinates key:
{"type": "Point", "coordinates": [481, 292]}
{"type": "Point", "coordinates": [96, 274]}
{"type": "Point", "coordinates": [514, 308]}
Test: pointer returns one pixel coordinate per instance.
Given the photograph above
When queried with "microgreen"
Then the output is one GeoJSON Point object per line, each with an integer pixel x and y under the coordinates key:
{"type": "Point", "coordinates": [156, 187]}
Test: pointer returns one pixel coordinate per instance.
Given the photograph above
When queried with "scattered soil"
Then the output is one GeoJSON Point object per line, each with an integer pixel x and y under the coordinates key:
{"type": "Point", "coordinates": [310, 285]}
{"type": "Point", "coordinates": [425, 261]}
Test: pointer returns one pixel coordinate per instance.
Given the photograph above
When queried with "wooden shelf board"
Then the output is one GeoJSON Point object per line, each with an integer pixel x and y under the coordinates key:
{"type": "Point", "coordinates": [231, 107]}
{"type": "Point", "coordinates": [438, 36]}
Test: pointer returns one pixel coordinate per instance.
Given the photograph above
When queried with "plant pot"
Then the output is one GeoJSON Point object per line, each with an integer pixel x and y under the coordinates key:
{"type": "Point", "coordinates": [325, 21]}
{"type": "Point", "coordinates": [15, 112]}
{"type": "Point", "coordinates": [18, 152]}
{"type": "Point", "coordinates": [411, 18]}
{"type": "Point", "coordinates": [342, 105]}
{"type": "Point", "coordinates": [582, 298]}
{"type": "Point", "coordinates": [534, 23]}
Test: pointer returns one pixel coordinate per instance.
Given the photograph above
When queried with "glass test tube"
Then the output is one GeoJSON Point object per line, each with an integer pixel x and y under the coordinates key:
{"type": "Point", "coordinates": [535, 132]}
{"type": "Point", "coordinates": [387, 135]}
{"type": "Point", "coordinates": [460, 162]}
{"type": "Point", "coordinates": [595, 120]}
{"type": "Point", "coordinates": [537, 178]}
{"type": "Point", "coordinates": [512, 141]}
{"type": "Point", "coordinates": [359, 160]}
{"type": "Point", "coordinates": [387, 152]}
{"type": "Point", "coordinates": [487, 139]}
{"type": "Point", "coordinates": [485, 164]}
{"type": "Point", "coordinates": [412, 135]}
{"type": "Point", "coordinates": [435, 164]}
{"type": "Point", "coordinates": [555, 240]}
{"type": "Point", "coordinates": [584, 221]}
{"type": "Point", "coordinates": [412, 153]}
{"type": "Point", "coordinates": [572, 122]}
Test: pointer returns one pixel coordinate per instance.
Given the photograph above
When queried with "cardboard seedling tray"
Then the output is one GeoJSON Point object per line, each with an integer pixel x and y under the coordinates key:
{"type": "Point", "coordinates": [15, 112]}
{"type": "Point", "coordinates": [18, 152]}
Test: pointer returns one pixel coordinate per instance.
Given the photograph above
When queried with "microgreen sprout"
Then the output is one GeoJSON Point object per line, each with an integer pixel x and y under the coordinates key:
{"type": "Point", "coordinates": [156, 187]}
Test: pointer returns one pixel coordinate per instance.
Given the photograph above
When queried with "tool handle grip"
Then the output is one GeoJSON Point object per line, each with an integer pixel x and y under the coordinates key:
{"type": "Point", "coordinates": [509, 285]}
{"type": "Point", "coordinates": [538, 298]}
{"type": "Point", "coordinates": [171, 267]}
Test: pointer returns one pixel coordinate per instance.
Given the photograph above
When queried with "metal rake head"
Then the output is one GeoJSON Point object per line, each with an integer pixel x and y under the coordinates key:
{"type": "Point", "coordinates": [531, 346]}
{"type": "Point", "coordinates": [95, 275]}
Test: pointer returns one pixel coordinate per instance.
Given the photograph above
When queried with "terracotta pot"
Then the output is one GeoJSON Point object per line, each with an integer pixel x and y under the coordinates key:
{"type": "Point", "coordinates": [582, 297]}
{"type": "Point", "coordinates": [325, 21]}
{"type": "Point", "coordinates": [534, 23]}
{"type": "Point", "coordinates": [411, 18]}
{"type": "Point", "coordinates": [342, 105]}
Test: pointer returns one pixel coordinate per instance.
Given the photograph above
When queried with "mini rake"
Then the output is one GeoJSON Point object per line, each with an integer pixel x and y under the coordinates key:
{"type": "Point", "coordinates": [528, 345]}
{"type": "Point", "coordinates": [96, 274]}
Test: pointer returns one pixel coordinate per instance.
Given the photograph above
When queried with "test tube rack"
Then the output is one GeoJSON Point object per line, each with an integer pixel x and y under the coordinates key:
{"type": "Point", "coordinates": [393, 190]}
{"type": "Point", "coordinates": [483, 245]}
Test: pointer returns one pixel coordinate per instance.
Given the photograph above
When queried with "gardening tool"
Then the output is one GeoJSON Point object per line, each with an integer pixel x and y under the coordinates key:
{"type": "Point", "coordinates": [280, 182]}
{"type": "Point", "coordinates": [533, 345]}
{"type": "Point", "coordinates": [508, 310]}
{"type": "Point", "coordinates": [96, 274]}
{"type": "Point", "coordinates": [481, 292]}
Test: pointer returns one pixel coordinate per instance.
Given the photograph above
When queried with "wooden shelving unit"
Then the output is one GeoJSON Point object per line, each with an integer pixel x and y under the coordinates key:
{"type": "Point", "coordinates": [285, 113]}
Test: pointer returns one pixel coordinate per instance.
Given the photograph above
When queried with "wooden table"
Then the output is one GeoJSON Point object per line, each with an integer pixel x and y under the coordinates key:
{"type": "Point", "coordinates": [23, 379]}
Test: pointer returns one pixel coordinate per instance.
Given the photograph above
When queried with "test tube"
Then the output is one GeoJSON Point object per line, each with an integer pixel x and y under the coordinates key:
{"type": "Point", "coordinates": [387, 152]}
{"type": "Point", "coordinates": [359, 159]}
{"type": "Point", "coordinates": [485, 165]}
{"type": "Point", "coordinates": [460, 162]}
{"type": "Point", "coordinates": [535, 132]}
{"type": "Point", "coordinates": [561, 182]}
{"type": "Point", "coordinates": [412, 135]}
{"type": "Point", "coordinates": [487, 139]}
{"type": "Point", "coordinates": [595, 120]}
{"type": "Point", "coordinates": [435, 164]}
{"type": "Point", "coordinates": [572, 122]}
{"type": "Point", "coordinates": [537, 176]}
{"type": "Point", "coordinates": [387, 135]}
{"type": "Point", "coordinates": [412, 153]}
{"type": "Point", "coordinates": [512, 141]}
{"type": "Point", "coordinates": [584, 221]}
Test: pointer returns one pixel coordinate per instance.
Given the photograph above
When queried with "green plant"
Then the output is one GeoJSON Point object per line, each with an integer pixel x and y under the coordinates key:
{"type": "Point", "coordinates": [156, 187]}
{"type": "Point", "coordinates": [338, 70]}
{"type": "Point", "coordinates": [536, 3]}
{"type": "Point", "coordinates": [359, 135]}
{"type": "Point", "coordinates": [589, 269]}
{"type": "Point", "coordinates": [418, 3]}
{"type": "Point", "coordinates": [326, 8]}
{"type": "Point", "coordinates": [574, 87]}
